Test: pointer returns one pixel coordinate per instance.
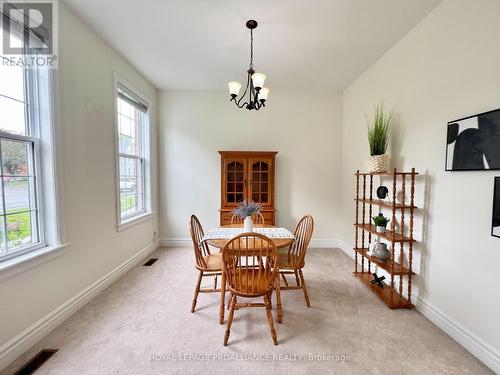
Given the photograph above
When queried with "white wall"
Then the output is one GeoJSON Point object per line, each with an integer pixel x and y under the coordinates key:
{"type": "Point", "coordinates": [445, 68]}
{"type": "Point", "coordinates": [86, 159]}
{"type": "Point", "coordinates": [305, 128]}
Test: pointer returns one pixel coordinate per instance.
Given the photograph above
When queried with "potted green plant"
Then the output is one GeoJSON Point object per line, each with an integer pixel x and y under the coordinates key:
{"type": "Point", "coordinates": [379, 134]}
{"type": "Point", "coordinates": [245, 210]}
{"type": "Point", "coordinates": [380, 223]}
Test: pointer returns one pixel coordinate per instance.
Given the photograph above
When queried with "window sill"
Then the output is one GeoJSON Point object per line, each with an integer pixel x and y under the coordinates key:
{"type": "Point", "coordinates": [134, 221]}
{"type": "Point", "coordinates": [24, 262]}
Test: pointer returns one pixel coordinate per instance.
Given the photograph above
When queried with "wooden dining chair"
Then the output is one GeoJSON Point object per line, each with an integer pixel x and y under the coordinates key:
{"type": "Point", "coordinates": [292, 262]}
{"type": "Point", "coordinates": [256, 218]}
{"type": "Point", "coordinates": [206, 263]}
{"type": "Point", "coordinates": [250, 266]}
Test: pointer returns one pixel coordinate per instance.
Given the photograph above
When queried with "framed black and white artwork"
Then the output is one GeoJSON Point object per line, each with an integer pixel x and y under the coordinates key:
{"type": "Point", "coordinates": [473, 143]}
{"type": "Point", "coordinates": [495, 227]}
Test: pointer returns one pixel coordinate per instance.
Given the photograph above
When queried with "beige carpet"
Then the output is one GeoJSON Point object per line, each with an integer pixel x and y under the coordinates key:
{"type": "Point", "coordinates": [147, 314]}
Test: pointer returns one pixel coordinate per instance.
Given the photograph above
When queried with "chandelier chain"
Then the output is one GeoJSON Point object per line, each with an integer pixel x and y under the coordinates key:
{"type": "Point", "coordinates": [251, 49]}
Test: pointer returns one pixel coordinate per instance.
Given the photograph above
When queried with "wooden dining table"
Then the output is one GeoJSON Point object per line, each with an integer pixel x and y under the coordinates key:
{"type": "Point", "coordinates": [280, 242]}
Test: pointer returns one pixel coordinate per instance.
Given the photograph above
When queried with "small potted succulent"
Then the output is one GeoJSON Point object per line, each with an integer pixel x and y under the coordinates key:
{"type": "Point", "coordinates": [380, 222]}
{"type": "Point", "coordinates": [245, 210]}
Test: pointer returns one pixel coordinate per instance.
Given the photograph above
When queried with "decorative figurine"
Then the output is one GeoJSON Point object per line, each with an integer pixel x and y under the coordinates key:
{"type": "Point", "coordinates": [382, 192]}
{"type": "Point", "coordinates": [378, 280]}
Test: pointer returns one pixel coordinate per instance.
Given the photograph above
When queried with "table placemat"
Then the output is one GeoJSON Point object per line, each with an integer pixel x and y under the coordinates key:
{"type": "Point", "coordinates": [228, 233]}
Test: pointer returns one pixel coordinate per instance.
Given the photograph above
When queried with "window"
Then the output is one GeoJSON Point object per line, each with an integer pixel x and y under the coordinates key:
{"type": "Point", "coordinates": [133, 154]}
{"type": "Point", "coordinates": [24, 112]}
{"type": "Point", "coordinates": [20, 223]}
{"type": "Point", "coordinates": [29, 214]}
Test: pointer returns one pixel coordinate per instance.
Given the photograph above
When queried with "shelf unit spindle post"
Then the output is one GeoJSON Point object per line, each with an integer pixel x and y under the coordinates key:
{"type": "Point", "coordinates": [357, 222]}
{"type": "Point", "coordinates": [410, 251]}
{"type": "Point", "coordinates": [401, 250]}
{"type": "Point", "coordinates": [369, 221]}
{"type": "Point", "coordinates": [363, 222]}
{"type": "Point", "coordinates": [393, 226]}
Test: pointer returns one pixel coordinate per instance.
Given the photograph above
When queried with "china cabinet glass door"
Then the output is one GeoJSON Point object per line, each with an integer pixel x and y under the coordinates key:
{"type": "Point", "coordinates": [260, 181]}
{"type": "Point", "coordinates": [235, 173]}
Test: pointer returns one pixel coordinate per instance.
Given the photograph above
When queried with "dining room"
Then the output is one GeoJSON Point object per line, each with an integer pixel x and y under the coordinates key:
{"type": "Point", "coordinates": [303, 187]}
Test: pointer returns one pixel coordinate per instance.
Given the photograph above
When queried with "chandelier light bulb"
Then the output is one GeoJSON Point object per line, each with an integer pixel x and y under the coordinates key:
{"type": "Point", "coordinates": [258, 80]}
{"type": "Point", "coordinates": [263, 93]}
{"type": "Point", "coordinates": [234, 88]}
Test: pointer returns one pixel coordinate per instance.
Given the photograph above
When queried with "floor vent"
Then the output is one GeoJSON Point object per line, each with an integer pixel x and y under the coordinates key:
{"type": "Point", "coordinates": [150, 262]}
{"type": "Point", "coordinates": [36, 362]}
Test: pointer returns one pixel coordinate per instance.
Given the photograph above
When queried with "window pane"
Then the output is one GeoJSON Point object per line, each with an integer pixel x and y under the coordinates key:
{"type": "Point", "coordinates": [3, 244]}
{"type": "Point", "coordinates": [19, 230]}
{"type": "Point", "coordinates": [127, 135]}
{"type": "Point", "coordinates": [130, 130]}
{"type": "Point", "coordinates": [1, 203]}
{"type": "Point", "coordinates": [19, 218]}
{"type": "Point", "coordinates": [12, 119]}
{"type": "Point", "coordinates": [131, 187]}
{"type": "Point", "coordinates": [12, 82]}
{"type": "Point", "coordinates": [124, 108]}
{"type": "Point", "coordinates": [137, 128]}
{"type": "Point", "coordinates": [18, 194]}
{"type": "Point", "coordinates": [16, 157]}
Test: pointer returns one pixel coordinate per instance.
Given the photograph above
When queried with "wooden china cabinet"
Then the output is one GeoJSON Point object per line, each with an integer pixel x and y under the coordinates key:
{"type": "Point", "coordinates": [247, 175]}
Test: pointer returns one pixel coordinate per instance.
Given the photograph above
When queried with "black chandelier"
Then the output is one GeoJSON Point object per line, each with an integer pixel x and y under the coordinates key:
{"type": "Point", "coordinates": [257, 93]}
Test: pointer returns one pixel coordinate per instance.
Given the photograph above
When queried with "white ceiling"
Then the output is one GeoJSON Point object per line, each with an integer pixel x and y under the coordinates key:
{"type": "Point", "coordinates": [299, 44]}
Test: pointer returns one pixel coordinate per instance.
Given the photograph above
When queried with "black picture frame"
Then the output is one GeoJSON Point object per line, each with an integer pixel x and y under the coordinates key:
{"type": "Point", "coordinates": [495, 219]}
{"type": "Point", "coordinates": [473, 143]}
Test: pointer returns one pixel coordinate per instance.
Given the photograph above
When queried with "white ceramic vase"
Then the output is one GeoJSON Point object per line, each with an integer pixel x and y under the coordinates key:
{"type": "Point", "coordinates": [380, 229]}
{"type": "Point", "coordinates": [378, 164]}
{"type": "Point", "coordinates": [248, 224]}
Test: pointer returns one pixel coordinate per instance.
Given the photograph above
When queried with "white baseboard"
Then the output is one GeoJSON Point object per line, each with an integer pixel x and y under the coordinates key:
{"type": "Point", "coordinates": [474, 344]}
{"type": "Point", "coordinates": [483, 351]}
{"type": "Point", "coordinates": [186, 242]}
{"type": "Point", "coordinates": [342, 245]}
{"type": "Point", "coordinates": [320, 243]}
{"type": "Point", "coordinates": [176, 242]}
{"type": "Point", "coordinates": [30, 336]}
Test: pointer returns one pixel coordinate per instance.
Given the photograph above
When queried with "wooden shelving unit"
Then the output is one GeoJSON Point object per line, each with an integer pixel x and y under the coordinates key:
{"type": "Point", "coordinates": [389, 235]}
{"type": "Point", "coordinates": [387, 265]}
{"type": "Point", "coordinates": [399, 243]}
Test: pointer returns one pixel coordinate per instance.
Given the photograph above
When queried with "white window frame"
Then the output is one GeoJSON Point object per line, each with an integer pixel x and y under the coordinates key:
{"type": "Point", "coordinates": [40, 94]}
{"type": "Point", "coordinates": [147, 213]}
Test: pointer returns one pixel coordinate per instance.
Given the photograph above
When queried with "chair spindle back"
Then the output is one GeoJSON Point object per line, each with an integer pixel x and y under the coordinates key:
{"type": "Point", "coordinates": [201, 249]}
{"type": "Point", "coordinates": [249, 262]}
{"type": "Point", "coordinates": [303, 233]}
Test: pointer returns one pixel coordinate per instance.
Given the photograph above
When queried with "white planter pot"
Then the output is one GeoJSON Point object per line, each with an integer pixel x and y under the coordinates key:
{"type": "Point", "coordinates": [379, 164]}
{"type": "Point", "coordinates": [248, 224]}
{"type": "Point", "coordinates": [380, 229]}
